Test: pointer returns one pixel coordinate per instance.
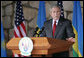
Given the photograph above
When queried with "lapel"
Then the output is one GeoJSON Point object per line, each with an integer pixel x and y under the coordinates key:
{"type": "Point", "coordinates": [58, 27]}
{"type": "Point", "coordinates": [50, 28]}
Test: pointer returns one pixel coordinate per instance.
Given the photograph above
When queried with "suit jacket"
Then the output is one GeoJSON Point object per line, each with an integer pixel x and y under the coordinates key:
{"type": "Point", "coordinates": [63, 29]}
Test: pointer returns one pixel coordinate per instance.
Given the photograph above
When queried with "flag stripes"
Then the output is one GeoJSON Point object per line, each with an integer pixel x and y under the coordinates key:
{"type": "Point", "coordinates": [19, 26]}
{"type": "Point", "coordinates": [78, 30]}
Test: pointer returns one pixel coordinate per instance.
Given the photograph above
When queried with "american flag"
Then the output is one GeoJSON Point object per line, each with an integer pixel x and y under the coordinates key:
{"type": "Point", "coordinates": [19, 26]}
{"type": "Point", "coordinates": [59, 3]}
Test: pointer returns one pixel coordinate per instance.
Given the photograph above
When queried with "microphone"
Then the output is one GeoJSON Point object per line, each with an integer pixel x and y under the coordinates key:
{"type": "Point", "coordinates": [35, 32]}
{"type": "Point", "coordinates": [41, 30]}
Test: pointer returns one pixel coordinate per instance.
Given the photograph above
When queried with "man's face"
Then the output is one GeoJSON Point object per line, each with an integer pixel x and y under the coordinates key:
{"type": "Point", "coordinates": [55, 13]}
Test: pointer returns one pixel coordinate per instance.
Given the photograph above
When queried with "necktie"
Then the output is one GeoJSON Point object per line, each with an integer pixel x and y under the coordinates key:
{"type": "Point", "coordinates": [54, 27]}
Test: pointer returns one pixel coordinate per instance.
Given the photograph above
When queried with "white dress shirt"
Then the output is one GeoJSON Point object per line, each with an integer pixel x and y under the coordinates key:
{"type": "Point", "coordinates": [53, 22]}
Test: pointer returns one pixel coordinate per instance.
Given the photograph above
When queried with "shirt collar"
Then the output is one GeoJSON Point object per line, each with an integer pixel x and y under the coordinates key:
{"type": "Point", "coordinates": [56, 21]}
{"type": "Point", "coordinates": [53, 22]}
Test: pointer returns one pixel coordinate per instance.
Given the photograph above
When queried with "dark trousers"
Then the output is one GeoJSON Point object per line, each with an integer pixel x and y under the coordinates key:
{"type": "Point", "coordinates": [61, 54]}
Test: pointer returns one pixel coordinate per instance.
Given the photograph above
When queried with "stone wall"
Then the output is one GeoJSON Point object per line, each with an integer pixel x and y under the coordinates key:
{"type": "Point", "coordinates": [30, 10]}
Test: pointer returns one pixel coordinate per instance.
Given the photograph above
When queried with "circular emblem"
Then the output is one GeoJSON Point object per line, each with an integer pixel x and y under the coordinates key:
{"type": "Point", "coordinates": [26, 46]}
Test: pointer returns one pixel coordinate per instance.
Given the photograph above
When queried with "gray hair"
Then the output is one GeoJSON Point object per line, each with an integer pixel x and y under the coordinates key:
{"type": "Point", "coordinates": [53, 6]}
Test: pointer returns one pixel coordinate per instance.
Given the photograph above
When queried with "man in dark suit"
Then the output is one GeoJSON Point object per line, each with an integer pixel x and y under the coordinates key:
{"type": "Point", "coordinates": [59, 28]}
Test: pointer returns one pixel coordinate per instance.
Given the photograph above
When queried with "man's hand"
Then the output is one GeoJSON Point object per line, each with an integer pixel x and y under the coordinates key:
{"type": "Point", "coordinates": [71, 39]}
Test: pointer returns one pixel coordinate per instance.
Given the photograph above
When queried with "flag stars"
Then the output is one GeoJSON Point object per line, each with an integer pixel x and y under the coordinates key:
{"type": "Point", "coordinates": [20, 7]}
{"type": "Point", "coordinates": [22, 18]}
{"type": "Point", "coordinates": [61, 11]}
{"type": "Point", "coordinates": [17, 23]}
{"type": "Point", "coordinates": [20, 10]}
{"type": "Point", "coordinates": [59, 3]}
{"type": "Point", "coordinates": [17, 13]}
{"type": "Point", "coordinates": [61, 15]}
{"type": "Point", "coordinates": [17, 19]}
{"type": "Point", "coordinates": [17, 16]}
{"type": "Point", "coordinates": [20, 13]}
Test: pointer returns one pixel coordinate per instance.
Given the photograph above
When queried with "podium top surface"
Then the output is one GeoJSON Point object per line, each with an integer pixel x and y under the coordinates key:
{"type": "Point", "coordinates": [40, 43]}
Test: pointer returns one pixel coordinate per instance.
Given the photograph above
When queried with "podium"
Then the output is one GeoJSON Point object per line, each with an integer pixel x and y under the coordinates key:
{"type": "Point", "coordinates": [41, 45]}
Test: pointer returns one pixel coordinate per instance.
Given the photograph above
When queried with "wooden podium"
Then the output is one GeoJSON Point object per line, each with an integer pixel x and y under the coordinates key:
{"type": "Point", "coordinates": [42, 45]}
